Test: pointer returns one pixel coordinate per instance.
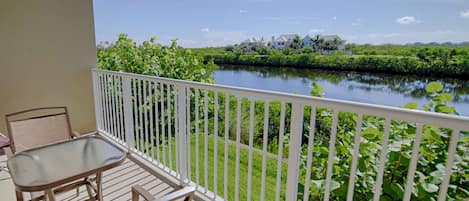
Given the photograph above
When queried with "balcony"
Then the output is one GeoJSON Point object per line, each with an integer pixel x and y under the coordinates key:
{"type": "Point", "coordinates": [176, 134]}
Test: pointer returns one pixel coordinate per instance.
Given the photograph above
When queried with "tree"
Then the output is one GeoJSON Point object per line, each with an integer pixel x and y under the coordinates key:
{"type": "Point", "coordinates": [152, 58]}
{"type": "Point", "coordinates": [297, 43]}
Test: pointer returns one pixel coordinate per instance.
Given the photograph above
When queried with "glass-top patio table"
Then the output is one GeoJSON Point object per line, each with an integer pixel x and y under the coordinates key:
{"type": "Point", "coordinates": [51, 166]}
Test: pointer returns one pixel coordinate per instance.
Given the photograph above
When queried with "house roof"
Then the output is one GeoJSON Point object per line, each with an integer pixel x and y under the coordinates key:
{"type": "Point", "coordinates": [253, 40]}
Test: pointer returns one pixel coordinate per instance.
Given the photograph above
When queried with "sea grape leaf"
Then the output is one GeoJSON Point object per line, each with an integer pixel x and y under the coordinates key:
{"type": "Point", "coordinates": [434, 87]}
{"type": "Point", "coordinates": [411, 105]}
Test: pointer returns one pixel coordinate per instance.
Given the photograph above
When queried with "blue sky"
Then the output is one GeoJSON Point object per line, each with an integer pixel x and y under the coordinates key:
{"type": "Point", "coordinates": [200, 23]}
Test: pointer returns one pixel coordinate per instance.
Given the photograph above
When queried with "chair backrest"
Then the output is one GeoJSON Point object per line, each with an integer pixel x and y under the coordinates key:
{"type": "Point", "coordinates": [37, 127]}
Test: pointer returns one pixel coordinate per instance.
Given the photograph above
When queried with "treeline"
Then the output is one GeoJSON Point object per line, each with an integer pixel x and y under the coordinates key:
{"type": "Point", "coordinates": [370, 63]}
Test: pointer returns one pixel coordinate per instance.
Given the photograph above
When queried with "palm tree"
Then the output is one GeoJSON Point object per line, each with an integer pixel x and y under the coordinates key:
{"type": "Point", "coordinates": [297, 43]}
{"type": "Point", "coordinates": [318, 43]}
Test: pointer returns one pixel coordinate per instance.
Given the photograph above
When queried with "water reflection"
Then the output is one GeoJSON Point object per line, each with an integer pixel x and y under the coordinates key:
{"type": "Point", "coordinates": [377, 88]}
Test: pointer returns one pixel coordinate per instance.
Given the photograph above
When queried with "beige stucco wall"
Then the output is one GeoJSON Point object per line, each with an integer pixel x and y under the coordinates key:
{"type": "Point", "coordinates": [47, 50]}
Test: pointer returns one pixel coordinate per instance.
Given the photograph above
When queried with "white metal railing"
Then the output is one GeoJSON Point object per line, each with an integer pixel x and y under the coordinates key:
{"type": "Point", "coordinates": [191, 130]}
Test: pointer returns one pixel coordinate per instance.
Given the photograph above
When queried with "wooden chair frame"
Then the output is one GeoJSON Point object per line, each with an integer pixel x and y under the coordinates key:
{"type": "Point", "coordinates": [187, 193]}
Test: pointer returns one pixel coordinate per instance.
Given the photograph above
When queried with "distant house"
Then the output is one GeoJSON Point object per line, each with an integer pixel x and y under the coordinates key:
{"type": "Point", "coordinates": [308, 40]}
{"type": "Point", "coordinates": [341, 46]}
{"type": "Point", "coordinates": [253, 42]}
{"type": "Point", "coordinates": [282, 41]}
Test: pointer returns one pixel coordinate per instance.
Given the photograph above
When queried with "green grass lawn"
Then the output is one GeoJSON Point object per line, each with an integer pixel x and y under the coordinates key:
{"type": "Point", "coordinates": [271, 170]}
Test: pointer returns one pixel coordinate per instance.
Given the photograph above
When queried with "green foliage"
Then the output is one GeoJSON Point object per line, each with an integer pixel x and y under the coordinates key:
{"type": "Point", "coordinates": [152, 58]}
{"type": "Point", "coordinates": [317, 90]}
{"type": "Point", "coordinates": [425, 60]}
{"type": "Point", "coordinates": [431, 162]}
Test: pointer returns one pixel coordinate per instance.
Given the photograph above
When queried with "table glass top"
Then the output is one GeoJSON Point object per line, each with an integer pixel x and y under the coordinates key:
{"type": "Point", "coordinates": [55, 162]}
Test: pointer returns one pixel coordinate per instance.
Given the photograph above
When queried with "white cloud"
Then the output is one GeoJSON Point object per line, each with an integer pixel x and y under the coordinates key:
{"type": "Point", "coordinates": [243, 11]}
{"type": "Point", "coordinates": [356, 24]}
{"type": "Point", "coordinates": [316, 30]}
{"type": "Point", "coordinates": [334, 18]}
{"type": "Point", "coordinates": [464, 14]}
{"type": "Point", "coordinates": [205, 29]}
{"type": "Point", "coordinates": [406, 20]}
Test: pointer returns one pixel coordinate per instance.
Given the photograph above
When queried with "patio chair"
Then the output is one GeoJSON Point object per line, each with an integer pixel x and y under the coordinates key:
{"type": "Point", "coordinates": [187, 193]}
{"type": "Point", "coordinates": [38, 127]}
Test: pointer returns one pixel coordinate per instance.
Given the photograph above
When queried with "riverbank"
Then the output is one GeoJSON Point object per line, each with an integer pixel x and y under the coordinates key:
{"type": "Point", "coordinates": [362, 63]}
{"type": "Point", "coordinates": [425, 60]}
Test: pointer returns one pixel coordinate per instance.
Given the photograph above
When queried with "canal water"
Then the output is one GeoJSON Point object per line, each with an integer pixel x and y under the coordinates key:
{"type": "Point", "coordinates": [375, 88]}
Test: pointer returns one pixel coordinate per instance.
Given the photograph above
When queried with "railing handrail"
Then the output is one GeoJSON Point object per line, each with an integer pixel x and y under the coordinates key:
{"type": "Point", "coordinates": [417, 116]}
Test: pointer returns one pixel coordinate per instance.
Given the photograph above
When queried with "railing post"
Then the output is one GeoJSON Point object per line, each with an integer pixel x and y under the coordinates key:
{"type": "Point", "coordinates": [128, 113]}
{"type": "Point", "coordinates": [296, 132]}
{"type": "Point", "coordinates": [182, 118]}
{"type": "Point", "coordinates": [97, 108]}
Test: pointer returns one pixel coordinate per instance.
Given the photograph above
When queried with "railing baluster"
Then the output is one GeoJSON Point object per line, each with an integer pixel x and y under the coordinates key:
{"type": "Point", "coordinates": [449, 165]}
{"type": "Point", "coordinates": [264, 148]}
{"type": "Point", "coordinates": [227, 133]}
{"type": "Point", "coordinates": [206, 140]}
{"type": "Point", "coordinates": [142, 121]}
{"type": "Point", "coordinates": [294, 151]}
{"type": "Point", "coordinates": [188, 115]}
{"type": "Point", "coordinates": [121, 110]}
{"type": "Point", "coordinates": [135, 113]}
{"type": "Point", "coordinates": [330, 161]}
{"type": "Point", "coordinates": [106, 95]}
{"type": "Point", "coordinates": [281, 134]}
{"type": "Point", "coordinates": [251, 141]}
{"type": "Point", "coordinates": [163, 124]}
{"type": "Point", "coordinates": [382, 160]}
{"type": "Point", "coordinates": [168, 104]}
{"type": "Point", "coordinates": [215, 145]}
{"type": "Point", "coordinates": [309, 157]}
{"type": "Point", "coordinates": [151, 104]}
{"type": "Point", "coordinates": [114, 108]}
{"type": "Point", "coordinates": [104, 102]}
{"type": "Point", "coordinates": [157, 121]}
{"type": "Point", "coordinates": [356, 148]}
{"type": "Point", "coordinates": [413, 163]}
{"type": "Point", "coordinates": [238, 145]}
{"type": "Point", "coordinates": [145, 117]}
{"type": "Point", "coordinates": [111, 106]}
{"type": "Point", "coordinates": [176, 125]}
{"type": "Point", "coordinates": [197, 132]}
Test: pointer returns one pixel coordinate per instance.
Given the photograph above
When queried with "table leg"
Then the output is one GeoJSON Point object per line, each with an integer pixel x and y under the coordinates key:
{"type": "Point", "coordinates": [50, 194]}
{"type": "Point", "coordinates": [99, 186]}
{"type": "Point", "coordinates": [19, 196]}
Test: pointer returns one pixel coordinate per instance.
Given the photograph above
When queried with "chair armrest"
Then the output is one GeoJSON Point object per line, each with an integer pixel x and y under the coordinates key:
{"type": "Point", "coordinates": [186, 192]}
{"type": "Point", "coordinates": [75, 134]}
{"type": "Point", "coordinates": [137, 191]}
